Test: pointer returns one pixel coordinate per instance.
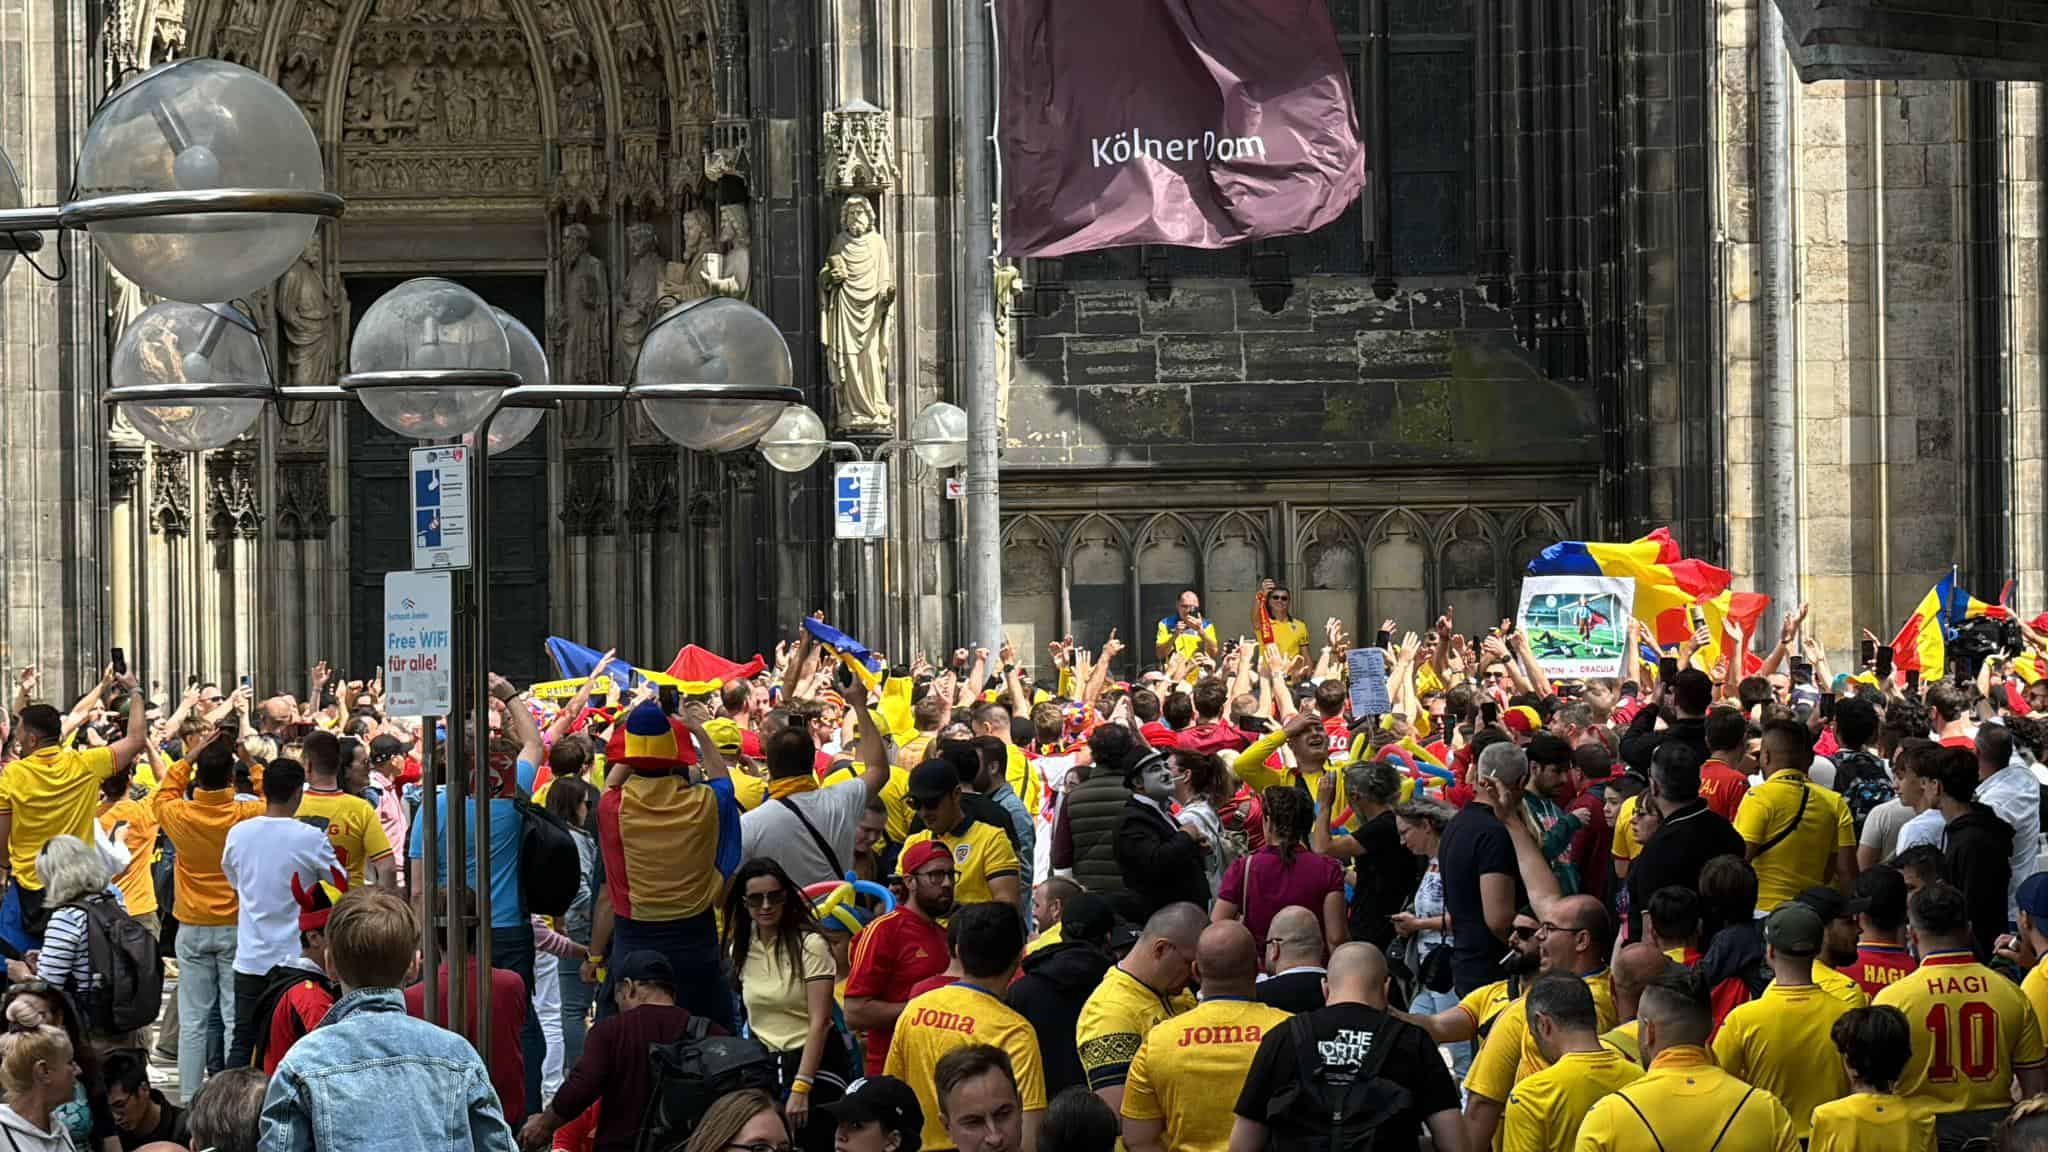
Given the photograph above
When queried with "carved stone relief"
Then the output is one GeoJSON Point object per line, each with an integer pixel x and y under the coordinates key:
{"type": "Point", "coordinates": [302, 509]}
{"type": "Point", "coordinates": [441, 99]}
{"type": "Point", "coordinates": [124, 473]}
{"type": "Point", "coordinates": [578, 327]}
{"type": "Point", "coordinates": [312, 315]}
{"type": "Point", "coordinates": [240, 39]}
{"type": "Point", "coordinates": [688, 277]}
{"type": "Point", "coordinates": [730, 273]}
{"type": "Point", "coordinates": [859, 154]}
{"type": "Point", "coordinates": [857, 289]}
{"type": "Point", "coordinates": [638, 298]}
{"type": "Point", "coordinates": [588, 506]}
{"type": "Point", "coordinates": [231, 495]}
{"type": "Point", "coordinates": [303, 70]}
{"type": "Point", "coordinates": [651, 502]}
{"type": "Point", "coordinates": [170, 493]}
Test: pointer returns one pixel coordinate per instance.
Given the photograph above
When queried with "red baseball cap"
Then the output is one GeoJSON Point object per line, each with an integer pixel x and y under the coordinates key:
{"type": "Point", "coordinates": [920, 854]}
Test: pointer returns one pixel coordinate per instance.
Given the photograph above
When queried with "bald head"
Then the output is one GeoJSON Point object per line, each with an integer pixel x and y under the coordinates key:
{"type": "Point", "coordinates": [1179, 924]}
{"type": "Point", "coordinates": [1227, 959]}
{"type": "Point", "coordinates": [1358, 975]}
{"type": "Point", "coordinates": [1296, 937]}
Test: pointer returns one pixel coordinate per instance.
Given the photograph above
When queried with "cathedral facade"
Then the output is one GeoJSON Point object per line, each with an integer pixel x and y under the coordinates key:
{"type": "Point", "coordinates": [1538, 322]}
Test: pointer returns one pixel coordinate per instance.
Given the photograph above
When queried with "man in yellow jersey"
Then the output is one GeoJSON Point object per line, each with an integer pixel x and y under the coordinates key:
{"type": "Point", "coordinates": [351, 824]}
{"type": "Point", "coordinates": [2033, 935]}
{"type": "Point", "coordinates": [988, 941]}
{"type": "Point", "coordinates": [51, 790]}
{"type": "Point", "coordinates": [1683, 1101]}
{"type": "Point", "coordinates": [1795, 829]}
{"type": "Point", "coordinates": [1185, 1080]}
{"type": "Point", "coordinates": [1973, 1033]}
{"type": "Point", "coordinates": [1837, 945]}
{"type": "Point", "coordinates": [1544, 1110]}
{"type": "Point", "coordinates": [1635, 965]}
{"type": "Point", "coordinates": [1274, 612]}
{"type": "Point", "coordinates": [1145, 987]}
{"type": "Point", "coordinates": [1353, 1039]}
{"type": "Point", "coordinates": [1771, 1041]}
{"type": "Point", "coordinates": [1048, 902]}
{"type": "Point", "coordinates": [1574, 938]}
{"type": "Point", "coordinates": [1304, 735]}
{"type": "Point", "coordinates": [987, 865]}
{"type": "Point", "coordinates": [1186, 631]}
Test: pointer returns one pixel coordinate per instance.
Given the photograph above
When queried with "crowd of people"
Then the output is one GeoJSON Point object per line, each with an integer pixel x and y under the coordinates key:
{"type": "Point", "coordinates": [1183, 899]}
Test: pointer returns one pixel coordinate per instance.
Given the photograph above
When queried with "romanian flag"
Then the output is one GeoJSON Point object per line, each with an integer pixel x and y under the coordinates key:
{"type": "Point", "coordinates": [578, 663]}
{"type": "Point", "coordinates": [1666, 582]}
{"type": "Point", "coordinates": [1731, 621]}
{"type": "Point", "coordinates": [1922, 643]}
{"type": "Point", "coordinates": [851, 652]}
{"type": "Point", "coordinates": [701, 672]}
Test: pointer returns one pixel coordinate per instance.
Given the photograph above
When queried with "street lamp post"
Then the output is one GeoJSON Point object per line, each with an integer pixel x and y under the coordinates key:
{"type": "Point", "coordinates": [432, 361]}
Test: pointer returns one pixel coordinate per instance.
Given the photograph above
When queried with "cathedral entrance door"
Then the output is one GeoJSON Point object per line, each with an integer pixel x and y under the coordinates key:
{"type": "Point", "coordinates": [379, 507]}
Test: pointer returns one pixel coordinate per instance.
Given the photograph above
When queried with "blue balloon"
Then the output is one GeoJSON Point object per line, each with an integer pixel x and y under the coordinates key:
{"type": "Point", "coordinates": [870, 888]}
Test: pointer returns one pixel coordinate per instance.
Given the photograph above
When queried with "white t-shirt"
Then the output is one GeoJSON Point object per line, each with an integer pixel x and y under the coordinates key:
{"type": "Point", "coordinates": [260, 859]}
{"type": "Point", "coordinates": [772, 830]}
{"type": "Point", "coordinates": [1881, 827]}
{"type": "Point", "coordinates": [1926, 828]}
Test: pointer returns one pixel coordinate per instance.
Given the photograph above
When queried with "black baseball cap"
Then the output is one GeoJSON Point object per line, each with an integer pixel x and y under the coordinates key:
{"type": "Point", "coordinates": [882, 1100]}
{"type": "Point", "coordinates": [385, 747]}
{"type": "Point", "coordinates": [933, 780]}
{"type": "Point", "coordinates": [643, 965]}
{"type": "Point", "coordinates": [1086, 917]}
{"type": "Point", "coordinates": [1825, 900]}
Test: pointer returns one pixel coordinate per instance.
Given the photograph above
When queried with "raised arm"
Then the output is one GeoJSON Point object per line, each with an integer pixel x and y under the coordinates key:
{"type": "Point", "coordinates": [793, 671]}
{"type": "Point", "coordinates": [135, 737]}
{"type": "Point", "coordinates": [1533, 671]}
{"type": "Point", "coordinates": [566, 718]}
{"type": "Point", "coordinates": [519, 722]}
{"type": "Point", "coordinates": [977, 675]}
{"type": "Point", "coordinates": [874, 758]}
{"type": "Point", "coordinates": [708, 756]}
{"type": "Point", "coordinates": [76, 718]}
{"type": "Point", "coordinates": [1537, 877]}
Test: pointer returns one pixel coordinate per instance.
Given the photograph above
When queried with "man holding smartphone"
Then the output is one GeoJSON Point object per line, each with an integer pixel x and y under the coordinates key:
{"type": "Point", "coordinates": [1186, 631]}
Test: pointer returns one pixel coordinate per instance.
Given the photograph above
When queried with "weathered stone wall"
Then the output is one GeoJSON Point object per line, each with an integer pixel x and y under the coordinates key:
{"type": "Point", "coordinates": [1882, 333]}
{"type": "Point", "coordinates": [1337, 379]}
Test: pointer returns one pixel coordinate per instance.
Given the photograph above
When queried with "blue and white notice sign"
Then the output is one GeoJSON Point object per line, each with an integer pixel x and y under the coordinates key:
{"type": "Point", "coordinates": [419, 643]}
{"type": "Point", "coordinates": [860, 504]}
{"type": "Point", "coordinates": [440, 508]}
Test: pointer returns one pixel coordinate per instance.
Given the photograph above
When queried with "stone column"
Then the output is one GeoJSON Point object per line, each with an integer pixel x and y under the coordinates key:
{"type": "Point", "coordinates": [125, 541]}
{"type": "Point", "coordinates": [52, 357]}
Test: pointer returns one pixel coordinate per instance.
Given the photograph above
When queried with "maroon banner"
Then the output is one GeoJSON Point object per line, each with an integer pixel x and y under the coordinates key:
{"type": "Point", "coordinates": [1196, 122]}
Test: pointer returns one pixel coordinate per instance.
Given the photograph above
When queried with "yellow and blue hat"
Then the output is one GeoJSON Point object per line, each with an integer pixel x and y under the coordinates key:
{"type": "Point", "coordinates": [650, 739]}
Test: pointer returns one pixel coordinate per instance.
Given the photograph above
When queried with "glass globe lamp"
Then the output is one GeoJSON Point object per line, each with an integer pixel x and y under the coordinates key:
{"type": "Point", "coordinates": [795, 441]}
{"type": "Point", "coordinates": [940, 435]}
{"type": "Point", "coordinates": [200, 180]}
{"type": "Point", "coordinates": [189, 377]}
{"type": "Point", "coordinates": [430, 359]}
{"type": "Point", "coordinates": [515, 421]}
{"type": "Point", "coordinates": [714, 375]}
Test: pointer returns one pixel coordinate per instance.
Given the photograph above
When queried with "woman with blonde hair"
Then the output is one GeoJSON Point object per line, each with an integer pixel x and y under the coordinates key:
{"type": "Point", "coordinates": [38, 1074]}
{"type": "Point", "coordinates": [75, 874]}
{"type": "Point", "coordinates": [745, 1121]}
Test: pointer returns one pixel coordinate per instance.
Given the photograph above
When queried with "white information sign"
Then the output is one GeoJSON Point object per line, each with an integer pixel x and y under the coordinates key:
{"type": "Point", "coordinates": [440, 508]}
{"type": "Point", "coordinates": [860, 505]}
{"type": "Point", "coordinates": [419, 643]}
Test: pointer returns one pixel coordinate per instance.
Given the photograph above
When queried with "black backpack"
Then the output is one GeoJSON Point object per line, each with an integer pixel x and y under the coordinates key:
{"type": "Point", "coordinates": [550, 868]}
{"type": "Point", "coordinates": [1863, 784]}
{"type": "Point", "coordinates": [690, 1074]}
{"type": "Point", "coordinates": [124, 955]}
{"type": "Point", "coordinates": [1332, 1110]}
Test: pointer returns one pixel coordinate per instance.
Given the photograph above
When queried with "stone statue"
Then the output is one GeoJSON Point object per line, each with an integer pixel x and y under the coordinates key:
{"type": "Point", "coordinates": [728, 273]}
{"type": "Point", "coordinates": [637, 299]}
{"type": "Point", "coordinates": [859, 290]}
{"type": "Point", "coordinates": [580, 321]}
{"type": "Point", "coordinates": [307, 306]}
{"type": "Point", "coordinates": [1009, 284]}
{"type": "Point", "coordinates": [688, 278]}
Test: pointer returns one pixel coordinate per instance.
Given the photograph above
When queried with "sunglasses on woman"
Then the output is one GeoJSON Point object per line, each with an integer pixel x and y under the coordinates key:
{"type": "Point", "coordinates": [763, 899]}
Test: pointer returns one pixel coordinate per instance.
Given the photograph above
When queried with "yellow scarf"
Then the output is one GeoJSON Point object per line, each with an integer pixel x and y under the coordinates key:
{"type": "Point", "coordinates": [790, 786]}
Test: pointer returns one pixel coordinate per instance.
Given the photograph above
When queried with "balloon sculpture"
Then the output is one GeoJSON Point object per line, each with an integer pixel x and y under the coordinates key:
{"type": "Point", "coordinates": [832, 902]}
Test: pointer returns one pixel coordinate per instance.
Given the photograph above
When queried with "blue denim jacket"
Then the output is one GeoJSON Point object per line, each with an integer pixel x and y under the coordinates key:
{"type": "Point", "coordinates": [373, 1079]}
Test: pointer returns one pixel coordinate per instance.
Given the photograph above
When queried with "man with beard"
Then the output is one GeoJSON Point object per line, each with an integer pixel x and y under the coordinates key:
{"type": "Point", "coordinates": [1161, 861]}
{"type": "Point", "coordinates": [900, 949]}
{"type": "Point", "coordinates": [1472, 1018]}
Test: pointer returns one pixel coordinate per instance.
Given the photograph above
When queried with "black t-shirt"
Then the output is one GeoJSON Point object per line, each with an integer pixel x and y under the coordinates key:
{"type": "Point", "coordinates": [170, 1126]}
{"type": "Point", "coordinates": [1297, 991]}
{"type": "Point", "coordinates": [1386, 877]}
{"type": "Point", "coordinates": [1474, 844]}
{"type": "Point", "coordinates": [1684, 842]}
{"type": "Point", "coordinates": [1346, 1033]}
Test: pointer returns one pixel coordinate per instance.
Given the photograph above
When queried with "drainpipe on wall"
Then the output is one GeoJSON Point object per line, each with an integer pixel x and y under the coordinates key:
{"type": "Point", "coordinates": [1777, 533]}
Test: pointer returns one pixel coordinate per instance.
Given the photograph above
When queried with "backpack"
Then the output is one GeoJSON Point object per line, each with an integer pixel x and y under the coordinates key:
{"type": "Point", "coordinates": [550, 868]}
{"type": "Point", "coordinates": [124, 955]}
{"type": "Point", "coordinates": [1862, 782]}
{"type": "Point", "coordinates": [1327, 1110]}
{"type": "Point", "coordinates": [691, 1074]}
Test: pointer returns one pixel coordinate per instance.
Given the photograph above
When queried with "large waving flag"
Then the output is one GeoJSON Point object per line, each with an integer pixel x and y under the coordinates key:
{"type": "Point", "coordinates": [850, 652]}
{"type": "Point", "coordinates": [577, 663]}
{"type": "Point", "coordinates": [1731, 622]}
{"type": "Point", "coordinates": [702, 671]}
{"type": "Point", "coordinates": [1922, 642]}
{"type": "Point", "coordinates": [1666, 582]}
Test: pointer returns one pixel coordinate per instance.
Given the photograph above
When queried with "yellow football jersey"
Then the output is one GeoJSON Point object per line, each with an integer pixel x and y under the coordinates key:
{"type": "Point", "coordinates": [1971, 1029]}
{"type": "Point", "coordinates": [1191, 1068]}
{"type": "Point", "coordinates": [1780, 1042]}
{"type": "Point", "coordinates": [956, 1016]}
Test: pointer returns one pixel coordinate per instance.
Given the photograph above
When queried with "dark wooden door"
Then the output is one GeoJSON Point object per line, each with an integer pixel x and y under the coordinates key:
{"type": "Point", "coordinates": [379, 506]}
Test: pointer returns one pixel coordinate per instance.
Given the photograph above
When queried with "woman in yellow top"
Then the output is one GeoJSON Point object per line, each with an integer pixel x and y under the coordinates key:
{"type": "Point", "coordinates": [785, 973]}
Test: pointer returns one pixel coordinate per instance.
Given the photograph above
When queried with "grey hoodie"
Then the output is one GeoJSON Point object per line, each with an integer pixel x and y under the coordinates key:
{"type": "Point", "coordinates": [22, 1136]}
